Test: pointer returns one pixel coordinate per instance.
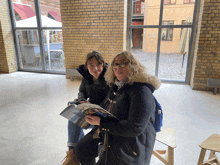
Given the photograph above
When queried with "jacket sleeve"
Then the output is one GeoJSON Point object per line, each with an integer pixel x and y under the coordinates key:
{"type": "Point", "coordinates": [140, 111]}
{"type": "Point", "coordinates": [82, 89]}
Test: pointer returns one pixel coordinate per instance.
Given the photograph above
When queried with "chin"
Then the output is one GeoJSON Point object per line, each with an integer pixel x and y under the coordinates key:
{"type": "Point", "coordinates": [120, 79]}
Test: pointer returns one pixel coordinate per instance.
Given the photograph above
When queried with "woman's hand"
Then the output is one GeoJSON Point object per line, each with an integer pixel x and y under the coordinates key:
{"type": "Point", "coordinates": [93, 120]}
{"type": "Point", "coordinates": [84, 102]}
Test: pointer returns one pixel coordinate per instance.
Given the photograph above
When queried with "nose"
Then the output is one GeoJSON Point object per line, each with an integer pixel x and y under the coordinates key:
{"type": "Point", "coordinates": [96, 68]}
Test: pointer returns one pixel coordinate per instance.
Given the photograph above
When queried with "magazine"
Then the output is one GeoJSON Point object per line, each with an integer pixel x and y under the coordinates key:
{"type": "Point", "coordinates": [76, 114]}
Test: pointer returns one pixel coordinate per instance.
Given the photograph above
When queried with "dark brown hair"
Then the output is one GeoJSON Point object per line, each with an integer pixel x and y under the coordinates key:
{"type": "Point", "coordinates": [98, 56]}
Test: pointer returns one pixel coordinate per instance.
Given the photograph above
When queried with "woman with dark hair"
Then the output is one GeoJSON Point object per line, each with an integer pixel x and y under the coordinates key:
{"type": "Point", "coordinates": [93, 89]}
{"type": "Point", "coordinates": [129, 140]}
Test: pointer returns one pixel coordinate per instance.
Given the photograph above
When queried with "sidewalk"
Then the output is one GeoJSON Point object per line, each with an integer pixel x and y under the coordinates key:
{"type": "Point", "coordinates": [170, 65]}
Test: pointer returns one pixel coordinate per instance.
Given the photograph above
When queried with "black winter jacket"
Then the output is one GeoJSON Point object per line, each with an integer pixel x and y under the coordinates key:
{"type": "Point", "coordinates": [95, 91]}
{"type": "Point", "coordinates": [130, 139]}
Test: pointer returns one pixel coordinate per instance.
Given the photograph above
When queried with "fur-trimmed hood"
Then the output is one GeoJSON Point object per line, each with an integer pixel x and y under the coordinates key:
{"type": "Point", "coordinates": [152, 80]}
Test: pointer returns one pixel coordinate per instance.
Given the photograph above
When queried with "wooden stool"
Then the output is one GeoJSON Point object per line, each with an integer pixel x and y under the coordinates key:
{"type": "Point", "coordinates": [212, 144]}
{"type": "Point", "coordinates": [167, 137]}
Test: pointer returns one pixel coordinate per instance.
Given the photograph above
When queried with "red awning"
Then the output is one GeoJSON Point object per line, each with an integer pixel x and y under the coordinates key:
{"type": "Point", "coordinates": [55, 15]}
{"type": "Point", "coordinates": [24, 11]}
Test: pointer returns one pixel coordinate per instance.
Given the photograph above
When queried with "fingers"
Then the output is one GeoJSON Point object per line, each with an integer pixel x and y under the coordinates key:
{"type": "Point", "coordinates": [84, 102]}
{"type": "Point", "coordinates": [94, 120]}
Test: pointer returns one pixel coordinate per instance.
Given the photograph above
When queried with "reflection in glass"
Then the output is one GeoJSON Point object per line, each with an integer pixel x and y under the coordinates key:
{"type": "Point", "coordinates": [174, 55]}
{"type": "Point", "coordinates": [144, 47]}
{"type": "Point", "coordinates": [29, 49]}
{"type": "Point", "coordinates": [54, 54]}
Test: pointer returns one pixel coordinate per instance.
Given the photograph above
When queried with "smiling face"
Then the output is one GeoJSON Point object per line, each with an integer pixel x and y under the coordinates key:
{"type": "Point", "coordinates": [95, 68]}
{"type": "Point", "coordinates": [120, 68]}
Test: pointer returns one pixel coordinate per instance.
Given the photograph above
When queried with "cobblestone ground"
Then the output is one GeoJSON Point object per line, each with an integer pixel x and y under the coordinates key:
{"type": "Point", "coordinates": [170, 65]}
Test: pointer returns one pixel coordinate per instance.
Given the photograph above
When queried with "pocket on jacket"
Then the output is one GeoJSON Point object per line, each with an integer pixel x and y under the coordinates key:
{"type": "Point", "coordinates": [130, 150]}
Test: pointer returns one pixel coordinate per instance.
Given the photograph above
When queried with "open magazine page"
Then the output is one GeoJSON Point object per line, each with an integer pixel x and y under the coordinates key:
{"type": "Point", "coordinates": [76, 114]}
{"type": "Point", "coordinates": [93, 109]}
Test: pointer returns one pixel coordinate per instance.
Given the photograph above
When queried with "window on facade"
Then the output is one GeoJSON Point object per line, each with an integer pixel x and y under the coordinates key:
{"type": "Point", "coordinates": [137, 9]}
{"type": "Point", "coordinates": [169, 2]}
{"type": "Point", "coordinates": [188, 1]}
{"type": "Point", "coordinates": [167, 33]}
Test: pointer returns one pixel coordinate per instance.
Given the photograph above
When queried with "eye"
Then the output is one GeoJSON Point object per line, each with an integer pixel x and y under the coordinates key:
{"type": "Point", "coordinates": [90, 65]}
{"type": "Point", "coordinates": [115, 65]}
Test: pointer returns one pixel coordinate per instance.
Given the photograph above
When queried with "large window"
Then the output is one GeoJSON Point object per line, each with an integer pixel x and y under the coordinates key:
{"type": "Point", "coordinates": [39, 48]}
{"type": "Point", "coordinates": [161, 39]}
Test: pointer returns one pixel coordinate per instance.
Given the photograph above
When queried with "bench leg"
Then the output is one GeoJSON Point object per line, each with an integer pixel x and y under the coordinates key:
{"type": "Point", "coordinates": [170, 155]}
{"type": "Point", "coordinates": [201, 156]}
{"type": "Point", "coordinates": [215, 91]}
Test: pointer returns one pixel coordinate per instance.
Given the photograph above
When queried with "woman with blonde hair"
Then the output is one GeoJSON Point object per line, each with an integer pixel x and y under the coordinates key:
{"type": "Point", "coordinates": [129, 140]}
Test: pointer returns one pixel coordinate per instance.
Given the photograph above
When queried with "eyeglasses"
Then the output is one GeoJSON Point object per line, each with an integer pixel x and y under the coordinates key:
{"type": "Point", "coordinates": [121, 64]}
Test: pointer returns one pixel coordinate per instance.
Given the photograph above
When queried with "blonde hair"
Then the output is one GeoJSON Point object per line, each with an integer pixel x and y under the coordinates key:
{"type": "Point", "coordinates": [137, 72]}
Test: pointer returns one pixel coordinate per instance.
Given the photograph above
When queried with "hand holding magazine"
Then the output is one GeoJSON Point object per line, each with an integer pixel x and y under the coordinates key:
{"type": "Point", "coordinates": [77, 114]}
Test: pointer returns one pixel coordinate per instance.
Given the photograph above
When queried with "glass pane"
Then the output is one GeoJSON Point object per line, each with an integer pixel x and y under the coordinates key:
{"type": "Point", "coordinates": [177, 11]}
{"type": "Point", "coordinates": [50, 13]}
{"type": "Point", "coordinates": [55, 59]}
{"type": "Point", "coordinates": [146, 12]}
{"type": "Point", "coordinates": [174, 54]}
{"type": "Point", "coordinates": [24, 13]}
{"type": "Point", "coordinates": [144, 47]}
{"type": "Point", "coordinates": [29, 49]}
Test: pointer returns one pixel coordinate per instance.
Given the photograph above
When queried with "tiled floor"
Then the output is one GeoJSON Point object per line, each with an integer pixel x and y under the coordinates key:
{"type": "Point", "coordinates": [33, 133]}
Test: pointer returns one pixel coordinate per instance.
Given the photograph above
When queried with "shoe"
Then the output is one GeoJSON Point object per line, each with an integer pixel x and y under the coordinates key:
{"type": "Point", "coordinates": [71, 158]}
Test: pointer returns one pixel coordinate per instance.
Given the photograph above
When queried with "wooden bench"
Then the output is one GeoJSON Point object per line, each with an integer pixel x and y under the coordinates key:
{"type": "Point", "coordinates": [213, 83]}
{"type": "Point", "coordinates": [167, 137]}
{"type": "Point", "coordinates": [213, 144]}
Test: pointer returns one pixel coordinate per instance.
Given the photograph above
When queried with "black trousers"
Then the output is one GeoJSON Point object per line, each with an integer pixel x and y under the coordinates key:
{"type": "Point", "coordinates": [87, 150]}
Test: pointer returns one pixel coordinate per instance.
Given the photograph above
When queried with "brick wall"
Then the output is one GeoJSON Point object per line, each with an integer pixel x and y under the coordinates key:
{"type": "Point", "coordinates": [89, 25]}
{"type": "Point", "coordinates": [3, 59]}
{"type": "Point", "coordinates": [8, 62]}
{"type": "Point", "coordinates": [207, 61]}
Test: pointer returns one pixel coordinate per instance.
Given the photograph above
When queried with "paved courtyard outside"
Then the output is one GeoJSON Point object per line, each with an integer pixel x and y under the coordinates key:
{"type": "Point", "coordinates": [170, 65]}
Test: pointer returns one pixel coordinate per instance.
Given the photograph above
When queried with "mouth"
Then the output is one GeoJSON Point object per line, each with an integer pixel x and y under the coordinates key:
{"type": "Point", "coordinates": [119, 72]}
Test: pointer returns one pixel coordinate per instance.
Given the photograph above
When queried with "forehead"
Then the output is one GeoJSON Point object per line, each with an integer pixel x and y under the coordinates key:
{"type": "Point", "coordinates": [92, 60]}
{"type": "Point", "coordinates": [120, 58]}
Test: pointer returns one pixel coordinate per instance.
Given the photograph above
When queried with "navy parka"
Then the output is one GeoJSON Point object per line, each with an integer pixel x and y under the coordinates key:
{"type": "Point", "coordinates": [131, 138]}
